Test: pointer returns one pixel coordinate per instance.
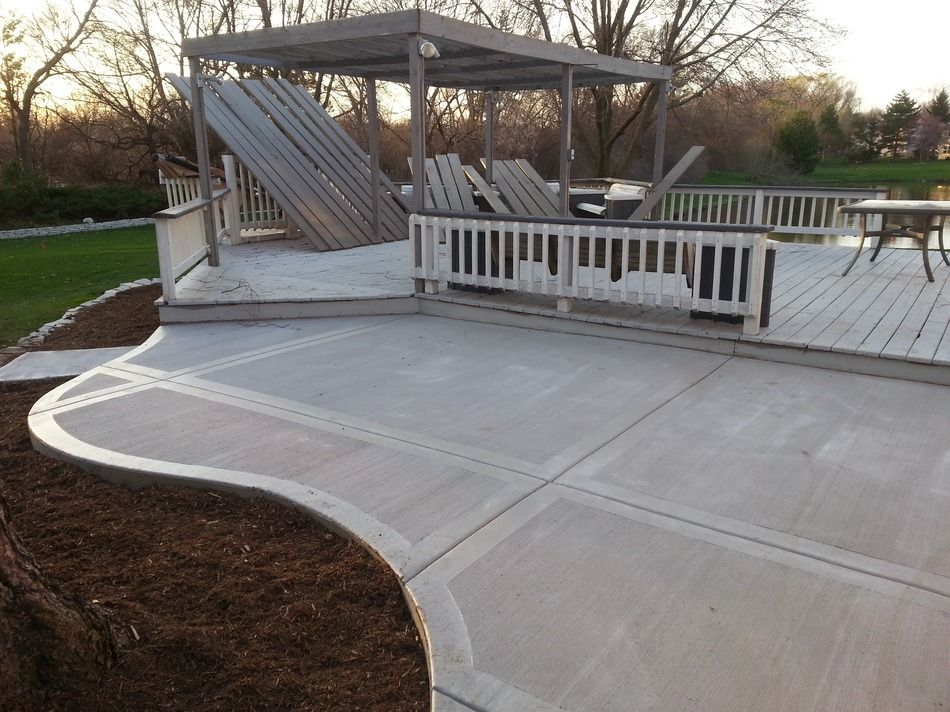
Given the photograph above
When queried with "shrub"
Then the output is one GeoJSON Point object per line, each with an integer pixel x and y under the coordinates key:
{"type": "Point", "coordinates": [28, 200]}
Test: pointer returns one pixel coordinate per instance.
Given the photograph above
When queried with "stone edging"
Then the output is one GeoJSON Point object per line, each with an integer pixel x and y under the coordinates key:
{"type": "Point", "coordinates": [38, 336]}
{"type": "Point", "coordinates": [67, 229]}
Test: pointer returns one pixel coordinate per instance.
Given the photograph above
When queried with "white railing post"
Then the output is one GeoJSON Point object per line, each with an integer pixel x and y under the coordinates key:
{"type": "Point", "coordinates": [565, 270]}
{"type": "Point", "coordinates": [755, 284]}
{"type": "Point", "coordinates": [165, 262]}
{"type": "Point", "coordinates": [232, 204]}
{"type": "Point", "coordinates": [431, 255]}
{"type": "Point", "coordinates": [758, 208]}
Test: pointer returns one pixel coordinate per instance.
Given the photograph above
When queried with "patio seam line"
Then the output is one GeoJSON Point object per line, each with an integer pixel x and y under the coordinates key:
{"type": "Point", "coordinates": [556, 479]}
{"type": "Point", "coordinates": [343, 422]}
{"type": "Point", "coordinates": [770, 544]}
{"type": "Point", "coordinates": [556, 476]}
{"type": "Point", "coordinates": [139, 370]}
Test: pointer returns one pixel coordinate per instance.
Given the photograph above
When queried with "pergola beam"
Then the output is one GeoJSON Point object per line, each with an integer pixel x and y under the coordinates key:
{"type": "Point", "coordinates": [331, 44]}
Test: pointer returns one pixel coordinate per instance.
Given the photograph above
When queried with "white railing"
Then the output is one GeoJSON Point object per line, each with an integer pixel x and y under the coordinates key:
{"type": "Point", "coordinates": [181, 190]}
{"type": "Point", "coordinates": [182, 242]}
{"type": "Point", "coordinates": [656, 264]}
{"type": "Point", "coordinates": [809, 211]}
{"type": "Point", "coordinates": [250, 205]}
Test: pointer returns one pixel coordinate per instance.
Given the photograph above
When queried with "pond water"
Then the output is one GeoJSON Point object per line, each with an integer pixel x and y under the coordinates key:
{"type": "Point", "coordinates": [895, 191]}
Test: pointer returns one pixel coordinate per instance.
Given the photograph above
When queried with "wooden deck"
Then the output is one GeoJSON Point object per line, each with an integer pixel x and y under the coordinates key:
{"type": "Point", "coordinates": [886, 309]}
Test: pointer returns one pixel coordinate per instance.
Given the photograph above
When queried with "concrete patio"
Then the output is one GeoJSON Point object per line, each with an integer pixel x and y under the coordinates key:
{"type": "Point", "coordinates": [580, 523]}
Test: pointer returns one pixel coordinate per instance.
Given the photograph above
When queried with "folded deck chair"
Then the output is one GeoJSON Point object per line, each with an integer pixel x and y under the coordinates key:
{"type": "Point", "coordinates": [523, 189]}
{"type": "Point", "coordinates": [448, 187]}
{"type": "Point", "coordinates": [527, 193]}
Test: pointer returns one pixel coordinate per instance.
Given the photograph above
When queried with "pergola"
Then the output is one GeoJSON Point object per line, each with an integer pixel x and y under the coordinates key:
{"type": "Point", "coordinates": [423, 49]}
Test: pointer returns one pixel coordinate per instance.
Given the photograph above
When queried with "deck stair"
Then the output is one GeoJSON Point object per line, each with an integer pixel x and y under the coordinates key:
{"type": "Point", "coordinates": [304, 159]}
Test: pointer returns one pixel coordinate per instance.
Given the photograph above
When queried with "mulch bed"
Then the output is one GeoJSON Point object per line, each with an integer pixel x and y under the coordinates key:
{"type": "Point", "coordinates": [224, 603]}
{"type": "Point", "coordinates": [126, 319]}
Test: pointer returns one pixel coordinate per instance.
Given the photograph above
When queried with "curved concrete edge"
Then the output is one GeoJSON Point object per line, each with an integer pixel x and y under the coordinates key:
{"type": "Point", "coordinates": [438, 619]}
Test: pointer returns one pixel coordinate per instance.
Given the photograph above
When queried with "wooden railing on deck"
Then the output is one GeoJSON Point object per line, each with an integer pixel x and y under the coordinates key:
{"type": "Point", "coordinates": [809, 211]}
{"type": "Point", "coordinates": [182, 242]}
{"type": "Point", "coordinates": [642, 263]}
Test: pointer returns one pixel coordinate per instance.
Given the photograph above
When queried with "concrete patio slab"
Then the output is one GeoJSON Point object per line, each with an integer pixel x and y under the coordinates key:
{"type": "Point", "coordinates": [541, 400]}
{"type": "Point", "coordinates": [586, 604]}
{"type": "Point", "coordinates": [579, 523]}
{"type": "Point", "coordinates": [58, 364]}
{"type": "Point", "coordinates": [855, 462]}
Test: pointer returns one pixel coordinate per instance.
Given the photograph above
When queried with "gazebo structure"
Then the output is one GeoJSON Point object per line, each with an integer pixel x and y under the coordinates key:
{"type": "Point", "coordinates": [704, 250]}
{"type": "Point", "coordinates": [423, 49]}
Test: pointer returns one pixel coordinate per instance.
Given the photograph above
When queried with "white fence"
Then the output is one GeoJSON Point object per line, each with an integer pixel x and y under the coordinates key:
{"type": "Point", "coordinates": [182, 240]}
{"type": "Point", "coordinates": [657, 264]}
{"type": "Point", "coordinates": [810, 211]}
{"type": "Point", "coordinates": [249, 205]}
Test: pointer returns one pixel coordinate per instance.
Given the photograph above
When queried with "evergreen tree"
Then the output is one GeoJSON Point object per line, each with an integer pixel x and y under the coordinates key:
{"type": "Point", "coordinates": [865, 143]}
{"type": "Point", "coordinates": [898, 121]}
{"type": "Point", "coordinates": [939, 106]}
{"type": "Point", "coordinates": [799, 144]}
{"type": "Point", "coordinates": [829, 129]}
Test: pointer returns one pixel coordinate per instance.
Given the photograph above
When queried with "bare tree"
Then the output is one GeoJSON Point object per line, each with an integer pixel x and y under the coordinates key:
{"type": "Point", "coordinates": [53, 35]}
{"type": "Point", "coordinates": [707, 42]}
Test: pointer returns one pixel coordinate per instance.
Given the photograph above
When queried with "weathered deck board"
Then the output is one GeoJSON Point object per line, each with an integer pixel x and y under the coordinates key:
{"type": "Point", "coordinates": [911, 329]}
{"type": "Point", "coordinates": [851, 317]}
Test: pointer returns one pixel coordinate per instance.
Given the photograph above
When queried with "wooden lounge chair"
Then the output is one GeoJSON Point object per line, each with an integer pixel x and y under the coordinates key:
{"type": "Point", "coordinates": [527, 193]}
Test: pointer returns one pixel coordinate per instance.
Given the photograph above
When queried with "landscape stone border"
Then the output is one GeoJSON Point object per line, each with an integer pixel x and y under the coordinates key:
{"type": "Point", "coordinates": [68, 229]}
{"type": "Point", "coordinates": [38, 336]}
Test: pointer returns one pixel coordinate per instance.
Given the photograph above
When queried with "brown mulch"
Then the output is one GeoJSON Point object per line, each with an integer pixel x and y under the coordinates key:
{"type": "Point", "coordinates": [126, 319]}
{"type": "Point", "coordinates": [224, 603]}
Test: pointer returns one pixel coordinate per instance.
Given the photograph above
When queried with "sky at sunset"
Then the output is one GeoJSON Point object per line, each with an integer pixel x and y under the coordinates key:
{"type": "Point", "coordinates": [891, 46]}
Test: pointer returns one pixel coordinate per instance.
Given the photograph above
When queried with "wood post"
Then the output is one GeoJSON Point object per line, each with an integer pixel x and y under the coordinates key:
{"type": "Point", "coordinates": [567, 86]}
{"type": "Point", "coordinates": [489, 135]}
{"type": "Point", "coordinates": [372, 110]}
{"type": "Point", "coordinates": [661, 107]}
{"type": "Point", "coordinates": [417, 127]}
{"type": "Point", "coordinates": [204, 159]}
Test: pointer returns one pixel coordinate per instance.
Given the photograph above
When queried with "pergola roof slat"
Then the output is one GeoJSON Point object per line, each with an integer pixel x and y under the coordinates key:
{"type": "Point", "coordinates": [375, 46]}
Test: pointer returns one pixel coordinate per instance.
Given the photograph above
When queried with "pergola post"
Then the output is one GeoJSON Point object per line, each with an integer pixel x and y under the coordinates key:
{"type": "Point", "coordinates": [372, 111]}
{"type": "Point", "coordinates": [566, 304]}
{"type": "Point", "coordinates": [204, 159]}
{"type": "Point", "coordinates": [489, 134]}
{"type": "Point", "coordinates": [567, 152]}
{"type": "Point", "coordinates": [661, 108]}
{"type": "Point", "coordinates": [417, 125]}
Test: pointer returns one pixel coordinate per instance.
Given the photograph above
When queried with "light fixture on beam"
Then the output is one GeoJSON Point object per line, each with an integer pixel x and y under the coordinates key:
{"type": "Point", "coordinates": [428, 50]}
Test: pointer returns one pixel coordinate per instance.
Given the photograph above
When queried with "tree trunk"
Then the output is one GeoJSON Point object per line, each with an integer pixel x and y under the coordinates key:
{"type": "Point", "coordinates": [47, 639]}
{"type": "Point", "coordinates": [24, 149]}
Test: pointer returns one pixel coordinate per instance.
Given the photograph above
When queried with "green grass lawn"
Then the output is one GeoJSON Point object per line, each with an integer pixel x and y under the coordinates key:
{"type": "Point", "coordinates": [44, 276]}
{"type": "Point", "coordinates": [856, 174]}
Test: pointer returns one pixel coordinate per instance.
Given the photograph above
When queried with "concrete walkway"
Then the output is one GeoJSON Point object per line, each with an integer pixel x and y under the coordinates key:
{"type": "Point", "coordinates": [58, 364]}
{"type": "Point", "coordinates": [581, 523]}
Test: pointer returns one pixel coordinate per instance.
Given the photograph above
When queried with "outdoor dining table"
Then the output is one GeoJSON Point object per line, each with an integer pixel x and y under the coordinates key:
{"type": "Point", "coordinates": [932, 210]}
